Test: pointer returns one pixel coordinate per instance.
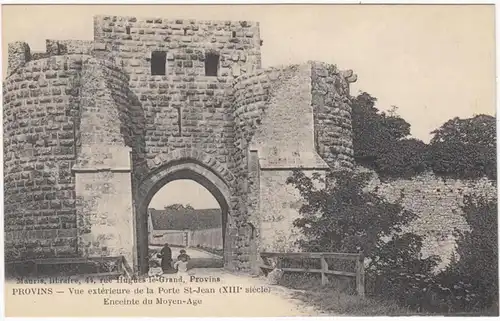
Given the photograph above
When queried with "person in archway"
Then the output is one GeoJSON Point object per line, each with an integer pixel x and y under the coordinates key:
{"type": "Point", "coordinates": [183, 254]}
{"type": "Point", "coordinates": [182, 265]}
{"type": "Point", "coordinates": [166, 258]}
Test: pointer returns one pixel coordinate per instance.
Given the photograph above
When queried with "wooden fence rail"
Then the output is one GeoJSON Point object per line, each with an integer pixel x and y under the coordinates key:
{"type": "Point", "coordinates": [358, 258]}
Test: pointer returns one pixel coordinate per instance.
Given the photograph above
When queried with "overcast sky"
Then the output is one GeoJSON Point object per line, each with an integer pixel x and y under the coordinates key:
{"type": "Point", "coordinates": [433, 62]}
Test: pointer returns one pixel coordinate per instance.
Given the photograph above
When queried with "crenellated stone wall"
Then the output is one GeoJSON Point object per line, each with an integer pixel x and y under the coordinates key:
{"type": "Point", "coordinates": [68, 47]}
{"type": "Point", "coordinates": [92, 133]}
{"type": "Point", "coordinates": [131, 40]}
{"type": "Point", "coordinates": [40, 108]}
{"type": "Point", "coordinates": [332, 114]}
{"type": "Point", "coordinates": [19, 54]}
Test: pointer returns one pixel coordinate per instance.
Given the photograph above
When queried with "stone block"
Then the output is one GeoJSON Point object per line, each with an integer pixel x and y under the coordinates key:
{"type": "Point", "coordinates": [100, 46]}
{"type": "Point", "coordinates": [122, 105]}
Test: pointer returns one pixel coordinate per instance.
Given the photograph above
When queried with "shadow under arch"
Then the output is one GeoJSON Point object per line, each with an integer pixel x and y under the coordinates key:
{"type": "Point", "coordinates": [185, 169]}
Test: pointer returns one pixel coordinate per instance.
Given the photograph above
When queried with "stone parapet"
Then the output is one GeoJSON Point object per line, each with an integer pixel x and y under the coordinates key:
{"type": "Point", "coordinates": [332, 114]}
{"type": "Point", "coordinates": [94, 128]}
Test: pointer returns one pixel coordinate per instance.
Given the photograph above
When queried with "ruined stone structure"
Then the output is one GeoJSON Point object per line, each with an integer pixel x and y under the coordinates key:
{"type": "Point", "coordinates": [93, 129]}
{"type": "Point", "coordinates": [437, 201]}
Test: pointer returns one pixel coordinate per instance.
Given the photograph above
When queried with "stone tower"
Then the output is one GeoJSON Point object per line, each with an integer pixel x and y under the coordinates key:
{"type": "Point", "coordinates": [93, 129]}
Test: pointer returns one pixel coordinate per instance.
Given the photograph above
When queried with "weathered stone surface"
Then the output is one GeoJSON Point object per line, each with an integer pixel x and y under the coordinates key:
{"type": "Point", "coordinates": [332, 115]}
{"type": "Point", "coordinates": [280, 204]}
{"type": "Point", "coordinates": [19, 54]}
{"type": "Point", "coordinates": [437, 203]}
{"type": "Point", "coordinates": [68, 47]}
{"type": "Point", "coordinates": [105, 214]}
{"type": "Point", "coordinates": [284, 140]}
{"type": "Point", "coordinates": [39, 110]}
{"type": "Point", "coordinates": [91, 134]}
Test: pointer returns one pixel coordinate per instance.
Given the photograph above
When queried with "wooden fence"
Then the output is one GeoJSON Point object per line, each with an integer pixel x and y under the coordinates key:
{"type": "Point", "coordinates": [358, 258]}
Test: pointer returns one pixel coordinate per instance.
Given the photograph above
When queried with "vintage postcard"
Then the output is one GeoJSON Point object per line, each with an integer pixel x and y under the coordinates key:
{"type": "Point", "coordinates": [249, 160]}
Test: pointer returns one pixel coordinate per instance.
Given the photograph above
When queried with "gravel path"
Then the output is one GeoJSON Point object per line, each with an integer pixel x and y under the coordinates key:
{"type": "Point", "coordinates": [278, 302]}
{"type": "Point", "coordinates": [212, 292]}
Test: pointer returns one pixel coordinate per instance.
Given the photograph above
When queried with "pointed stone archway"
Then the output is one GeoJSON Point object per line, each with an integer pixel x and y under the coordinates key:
{"type": "Point", "coordinates": [185, 166]}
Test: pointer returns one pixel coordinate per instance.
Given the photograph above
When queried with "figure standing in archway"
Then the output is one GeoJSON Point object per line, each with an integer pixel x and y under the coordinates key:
{"type": "Point", "coordinates": [166, 258]}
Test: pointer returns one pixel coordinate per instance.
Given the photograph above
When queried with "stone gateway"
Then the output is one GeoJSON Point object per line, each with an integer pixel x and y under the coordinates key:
{"type": "Point", "coordinates": [93, 129]}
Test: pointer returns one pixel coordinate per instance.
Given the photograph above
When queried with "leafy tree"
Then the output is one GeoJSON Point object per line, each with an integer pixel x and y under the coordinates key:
{"type": "Point", "coordinates": [465, 148]}
{"type": "Point", "coordinates": [178, 207]}
{"type": "Point", "coordinates": [461, 148]}
{"type": "Point", "coordinates": [346, 217]}
{"type": "Point", "coordinates": [472, 279]}
{"type": "Point", "coordinates": [398, 271]}
{"type": "Point", "coordinates": [403, 158]}
{"type": "Point", "coordinates": [380, 140]}
{"type": "Point", "coordinates": [350, 219]}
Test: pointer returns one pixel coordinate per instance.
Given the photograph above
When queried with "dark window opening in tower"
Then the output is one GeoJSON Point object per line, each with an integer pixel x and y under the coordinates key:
{"type": "Point", "coordinates": [128, 30]}
{"type": "Point", "coordinates": [211, 64]}
{"type": "Point", "coordinates": [234, 34]}
{"type": "Point", "coordinates": [185, 32]}
{"type": "Point", "coordinates": [158, 63]}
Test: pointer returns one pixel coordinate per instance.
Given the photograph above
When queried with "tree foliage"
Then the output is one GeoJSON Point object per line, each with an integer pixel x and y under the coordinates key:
{"type": "Point", "coordinates": [460, 148]}
{"type": "Point", "coordinates": [349, 219]}
{"type": "Point", "coordinates": [472, 279]}
{"type": "Point", "coordinates": [465, 148]}
{"type": "Point", "coordinates": [346, 217]}
{"type": "Point", "coordinates": [403, 158]}
{"type": "Point", "coordinates": [381, 140]}
{"type": "Point", "coordinates": [179, 207]}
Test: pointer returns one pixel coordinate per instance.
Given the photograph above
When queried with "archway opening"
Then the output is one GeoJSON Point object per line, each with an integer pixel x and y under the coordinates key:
{"type": "Point", "coordinates": [186, 206]}
{"type": "Point", "coordinates": [186, 216]}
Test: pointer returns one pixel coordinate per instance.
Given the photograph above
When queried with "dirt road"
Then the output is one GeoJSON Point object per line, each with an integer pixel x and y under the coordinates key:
{"type": "Point", "coordinates": [212, 292]}
{"type": "Point", "coordinates": [207, 292]}
{"type": "Point", "coordinates": [276, 301]}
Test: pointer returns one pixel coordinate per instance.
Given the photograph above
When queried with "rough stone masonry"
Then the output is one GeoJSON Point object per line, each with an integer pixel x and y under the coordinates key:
{"type": "Point", "coordinates": [93, 129]}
